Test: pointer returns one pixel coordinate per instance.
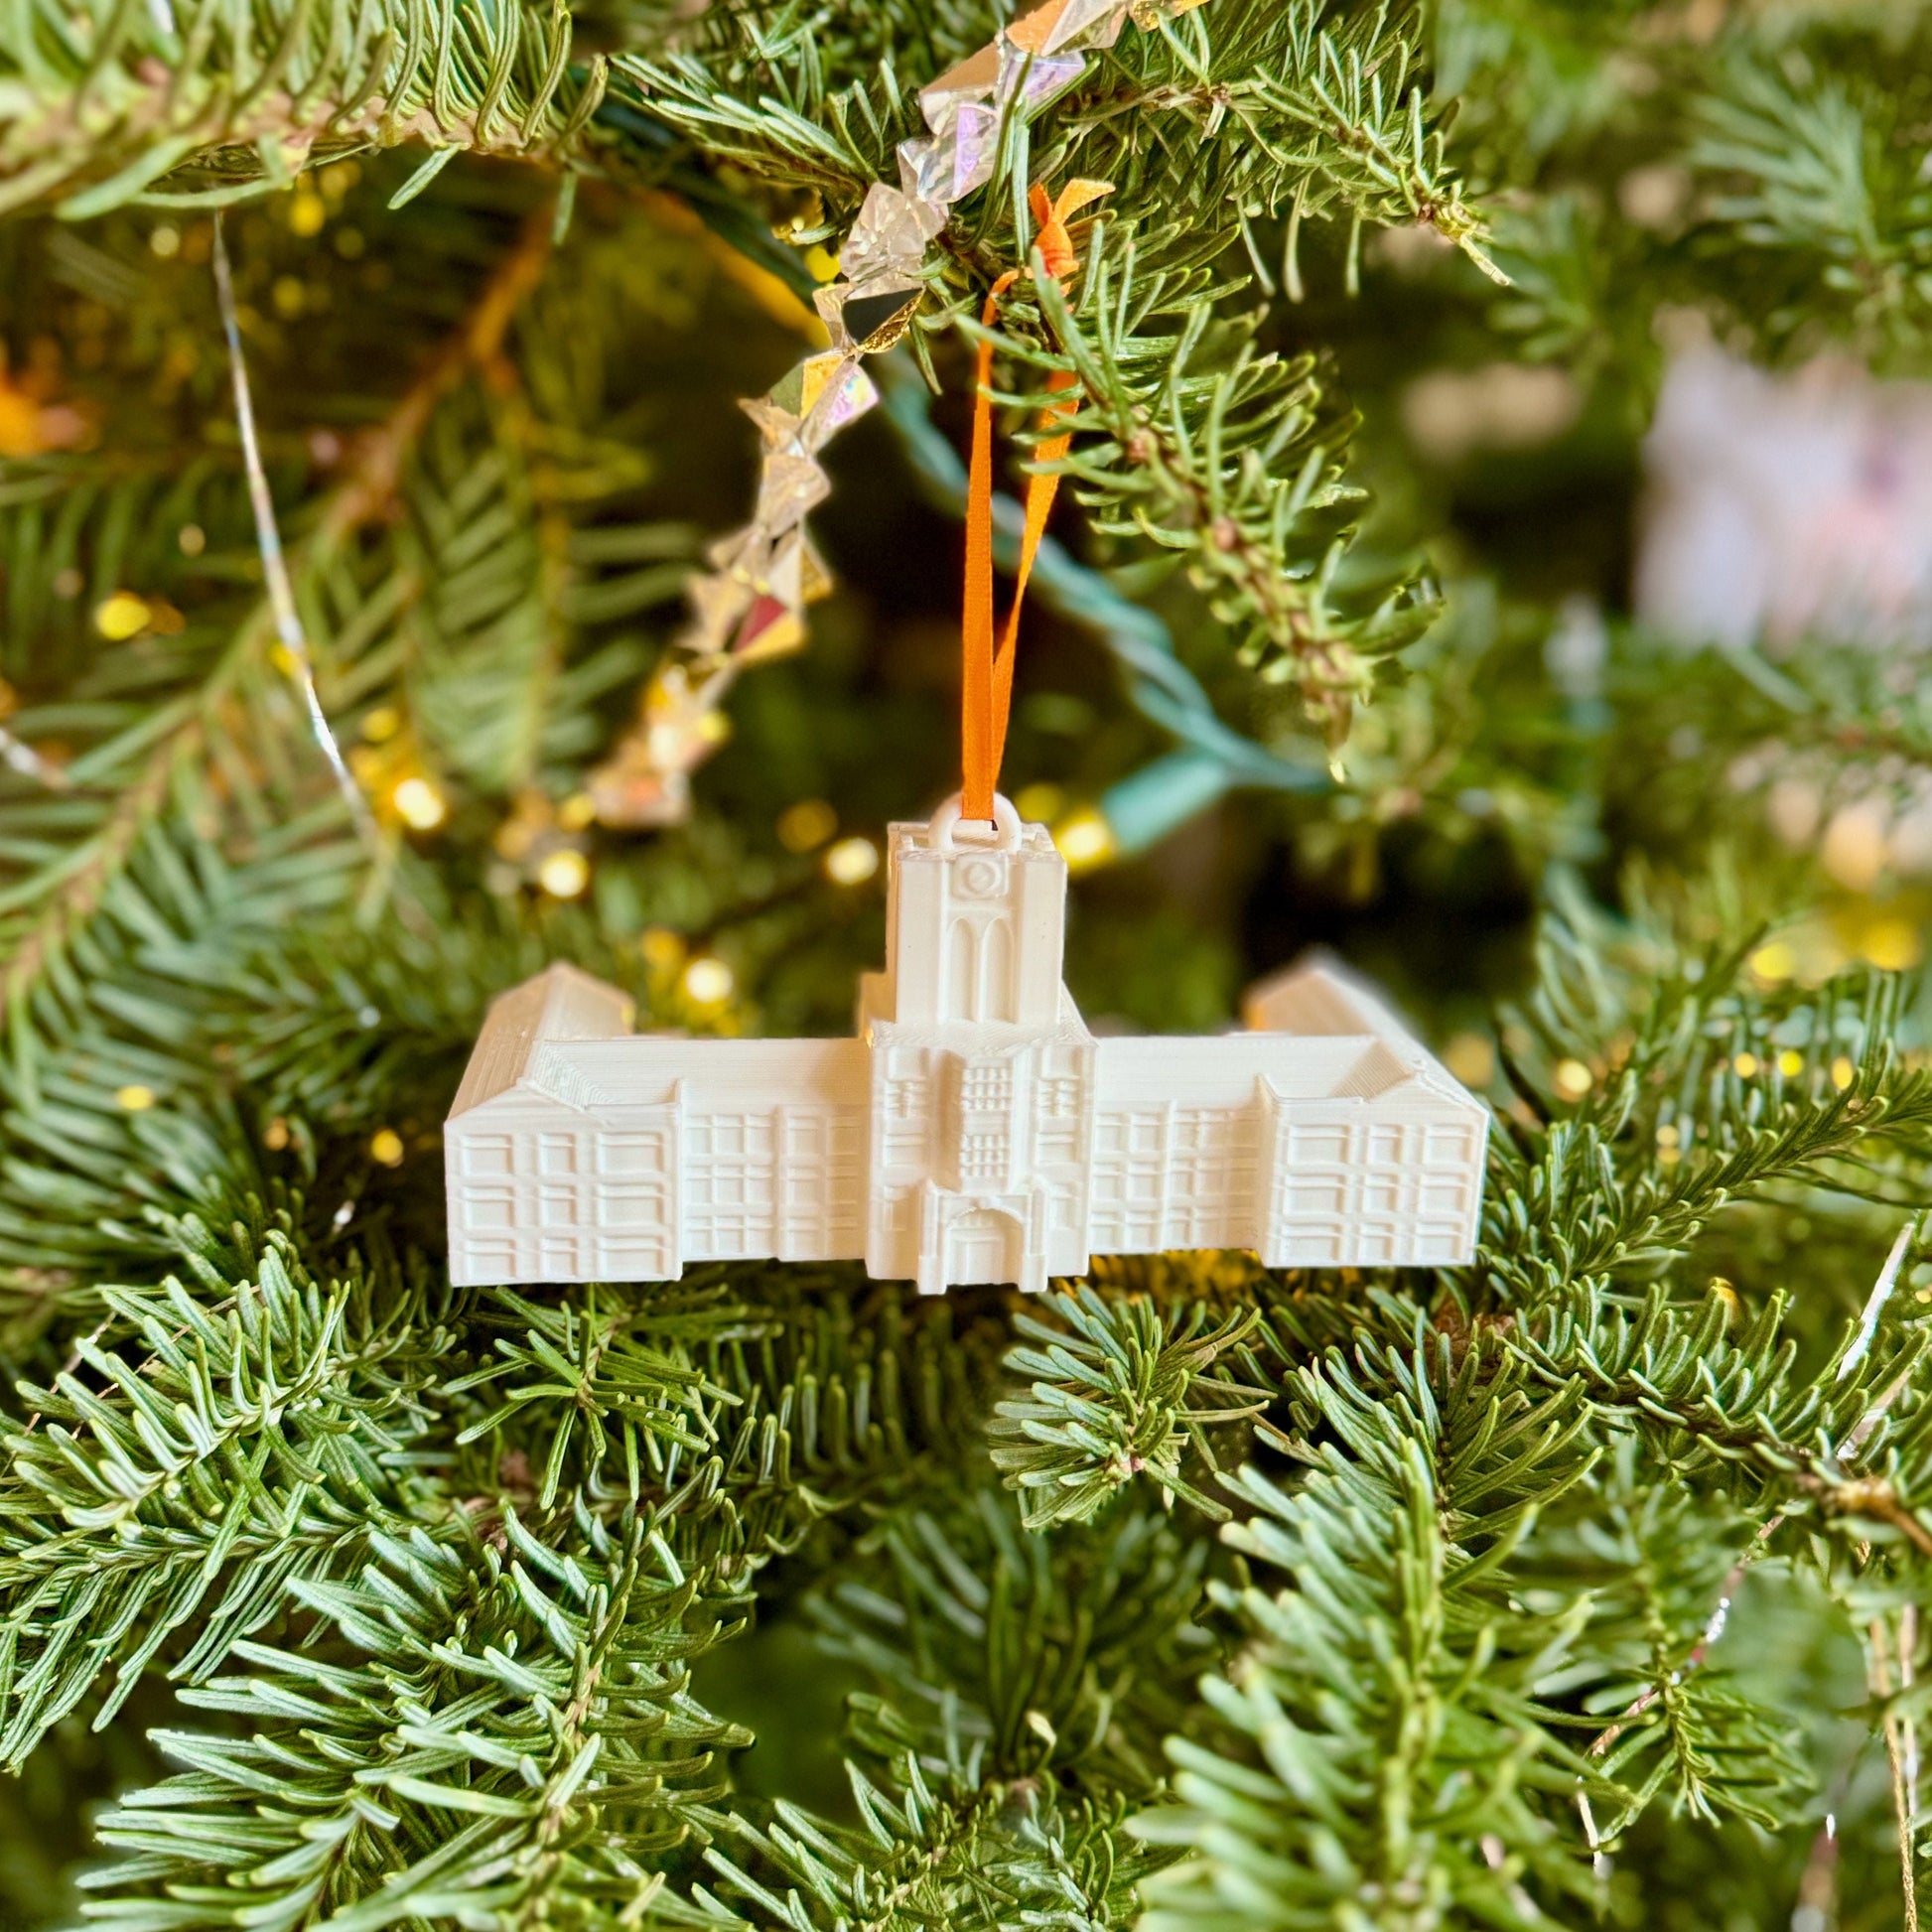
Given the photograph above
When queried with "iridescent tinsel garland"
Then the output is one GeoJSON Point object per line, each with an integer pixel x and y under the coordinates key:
{"type": "Point", "coordinates": [750, 606]}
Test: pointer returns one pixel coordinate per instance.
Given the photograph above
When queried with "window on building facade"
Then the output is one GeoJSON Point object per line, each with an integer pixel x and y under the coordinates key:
{"type": "Point", "coordinates": [983, 1157]}
{"type": "Point", "coordinates": [987, 1088]}
{"type": "Point", "coordinates": [1060, 1099]}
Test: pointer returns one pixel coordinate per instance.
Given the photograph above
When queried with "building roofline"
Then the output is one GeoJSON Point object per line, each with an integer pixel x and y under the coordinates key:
{"type": "Point", "coordinates": [1317, 997]}
{"type": "Point", "coordinates": [563, 1002]}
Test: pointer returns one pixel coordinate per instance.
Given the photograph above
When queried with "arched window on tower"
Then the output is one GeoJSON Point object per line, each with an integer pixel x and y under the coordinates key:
{"type": "Point", "coordinates": [962, 972]}
{"type": "Point", "coordinates": [996, 991]}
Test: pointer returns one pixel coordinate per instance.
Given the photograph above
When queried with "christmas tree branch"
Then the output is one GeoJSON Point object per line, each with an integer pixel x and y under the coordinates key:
{"type": "Point", "coordinates": [1118, 1389]}
{"type": "Point", "coordinates": [365, 492]}
{"type": "Point", "coordinates": [195, 1463]}
{"type": "Point", "coordinates": [95, 116]}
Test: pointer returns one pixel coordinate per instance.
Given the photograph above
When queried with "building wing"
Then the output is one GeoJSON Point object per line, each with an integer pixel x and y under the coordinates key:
{"type": "Point", "coordinates": [1334, 1137]}
{"type": "Point", "coordinates": [578, 1152]}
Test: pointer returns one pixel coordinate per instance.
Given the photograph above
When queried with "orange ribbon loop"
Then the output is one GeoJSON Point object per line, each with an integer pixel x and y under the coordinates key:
{"type": "Point", "coordinates": [988, 681]}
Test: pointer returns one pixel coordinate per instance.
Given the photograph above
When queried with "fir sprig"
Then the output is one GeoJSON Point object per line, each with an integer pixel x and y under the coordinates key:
{"type": "Point", "coordinates": [1375, 1742]}
{"type": "Point", "coordinates": [1116, 1390]}
{"type": "Point", "coordinates": [520, 1739]}
{"type": "Point", "coordinates": [205, 1450]}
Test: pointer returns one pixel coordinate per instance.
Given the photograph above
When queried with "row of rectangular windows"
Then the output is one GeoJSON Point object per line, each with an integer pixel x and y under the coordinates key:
{"type": "Point", "coordinates": [494, 1155]}
{"type": "Point", "coordinates": [1147, 1231]}
{"type": "Point", "coordinates": [560, 1207]}
{"type": "Point", "coordinates": [702, 1223]}
{"type": "Point", "coordinates": [1151, 1135]}
{"type": "Point", "coordinates": [982, 1087]}
{"type": "Point", "coordinates": [734, 1136]}
{"type": "Point", "coordinates": [1128, 1180]}
{"type": "Point", "coordinates": [1058, 1099]}
{"type": "Point", "coordinates": [1389, 1242]}
{"type": "Point", "coordinates": [733, 1189]}
{"type": "Point", "coordinates": [756, 1136]}
{"type": "Point", "coordinates": [563, 1259]}
{"type": "Point", "coordinates": [1440, 1144]}
{"type": "Point", "coordinates": [1389, 1194]}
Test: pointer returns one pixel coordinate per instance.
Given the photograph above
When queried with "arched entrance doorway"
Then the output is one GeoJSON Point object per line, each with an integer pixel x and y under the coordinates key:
{"type": "Point", "coordinates": [983, 1245]}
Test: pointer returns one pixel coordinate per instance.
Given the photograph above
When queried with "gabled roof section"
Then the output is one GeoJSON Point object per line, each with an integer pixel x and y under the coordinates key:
{"type": "Point", "coordinates": [561, 1003]}
{"type": "Point", "coordinates": [1318, 996]}
{"type": "Point", "coordinates": [1318, 999]}
{"type": "Point", "coordinates": [1374, 1073]}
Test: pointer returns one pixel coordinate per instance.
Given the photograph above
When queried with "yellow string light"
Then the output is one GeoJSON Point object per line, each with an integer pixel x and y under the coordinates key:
{"type": "Point", "coordinates": [1085, 839]}
{"type": "Point", "coordinates": [709, 981]}
{"type": "Point", "coordinates": [805, 826]}
{"type": "Point", "coordinates": [1039, 803]}
{"type": "Point", "coordinates": [1892, 944]}
{"type": "Point", "coordinates": [852, 861]}
{"type": "Point", "coordinates": [121, 616]}
{"type": "Point", "coordinates": [419, 804]}
{"type": "Point", "coordinates": [663, 949]}
{"type": "Point", "coordinates": [564, 874]}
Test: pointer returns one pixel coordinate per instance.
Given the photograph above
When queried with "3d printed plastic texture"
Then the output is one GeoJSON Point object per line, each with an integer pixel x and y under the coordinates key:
{"type": "Point", "coordinates": [972, 1131]}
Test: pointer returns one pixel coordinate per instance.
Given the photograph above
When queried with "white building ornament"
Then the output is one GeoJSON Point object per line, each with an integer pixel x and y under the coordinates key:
{"type": "Point", "coordinates": [972, 1131]}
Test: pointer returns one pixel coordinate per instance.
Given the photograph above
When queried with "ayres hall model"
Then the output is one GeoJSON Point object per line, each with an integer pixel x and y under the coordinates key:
{"type": "Point", "coordinates": [974, 1130]}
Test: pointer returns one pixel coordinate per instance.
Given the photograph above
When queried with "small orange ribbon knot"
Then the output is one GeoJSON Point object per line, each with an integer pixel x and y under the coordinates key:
{"type": "Point", "coordinates": [987, 696]}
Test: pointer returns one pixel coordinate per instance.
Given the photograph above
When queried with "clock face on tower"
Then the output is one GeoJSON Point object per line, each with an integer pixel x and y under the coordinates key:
{"type": "Point", "coordinates": [979, 877]}
{"type": "Point", "coordinates": [972, 1129]}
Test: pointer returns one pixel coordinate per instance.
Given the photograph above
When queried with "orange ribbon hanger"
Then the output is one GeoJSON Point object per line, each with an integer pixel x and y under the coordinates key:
{"type": "Point", "coordinates": [987, 695]}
